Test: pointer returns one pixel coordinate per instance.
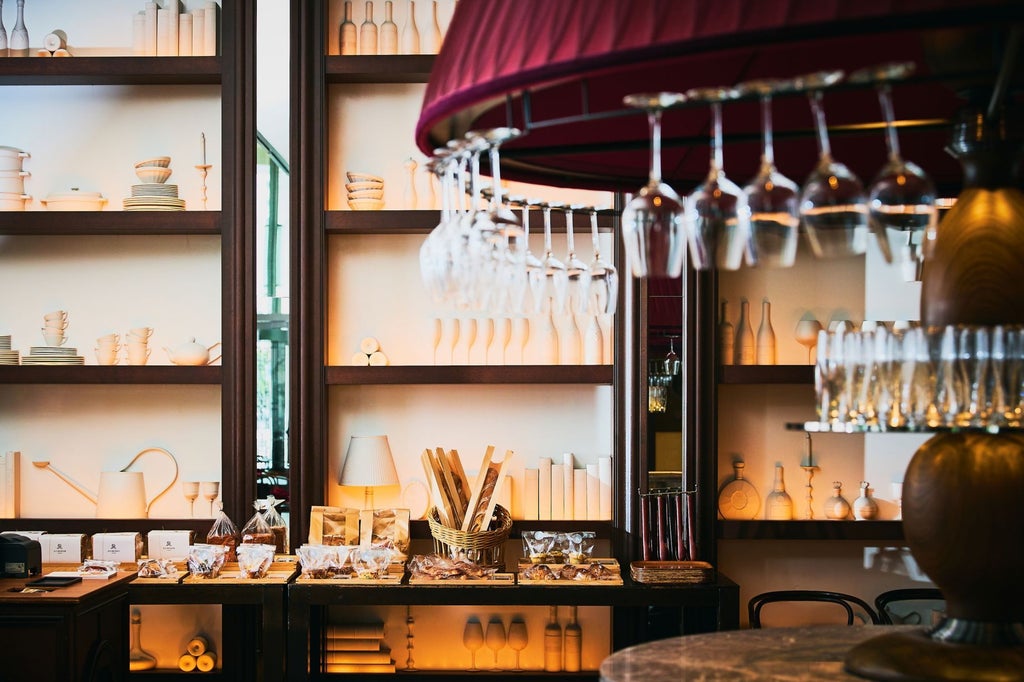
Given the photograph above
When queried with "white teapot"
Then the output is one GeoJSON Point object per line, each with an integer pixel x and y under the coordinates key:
{"type": "Point", "coordinates": [192, 353]}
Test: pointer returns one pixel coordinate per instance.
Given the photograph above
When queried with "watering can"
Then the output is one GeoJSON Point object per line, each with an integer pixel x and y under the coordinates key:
{"type": "Point", "coordinates": [122, 494]}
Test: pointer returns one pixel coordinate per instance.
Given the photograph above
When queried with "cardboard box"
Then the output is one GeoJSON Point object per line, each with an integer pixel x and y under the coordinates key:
{"type": "Point", "coordinates": [120, 547]}
{"type": "Point", "coordinates": [64, 548]}
{"type": "Point", "coordinates": [168, 544]}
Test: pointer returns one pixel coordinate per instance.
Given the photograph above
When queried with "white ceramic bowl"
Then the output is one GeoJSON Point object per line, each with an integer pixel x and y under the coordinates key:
{"type": "Point", "coordinates": [153, 174]}
{"type": "Point", "coordinates": [13, 202]}
{"type": "Point", "coordinates": [366, 194]}
{"type": "Point", "coordinates": [13, 182]}
{"type": "Point", "coordinates": [11, 157]}
{"type": "Point", "coordinates": [358, 186]}
{"type": "Point", "coordinates": [365, 204]}
{"type": "Point", "coordinates": [363, 177]}
{"type": "Point", "coordinates": [74, 200]}
{"type": "Point", "coordinates": [162, 161]}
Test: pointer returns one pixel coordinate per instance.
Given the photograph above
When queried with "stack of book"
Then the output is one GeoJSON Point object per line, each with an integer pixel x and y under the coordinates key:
{"type": "Point", "coordinates": [357, 648]}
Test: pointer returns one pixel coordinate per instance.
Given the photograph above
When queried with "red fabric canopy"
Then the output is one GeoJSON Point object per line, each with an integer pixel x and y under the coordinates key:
{"type": "Point", "coordinates": [576, 60]}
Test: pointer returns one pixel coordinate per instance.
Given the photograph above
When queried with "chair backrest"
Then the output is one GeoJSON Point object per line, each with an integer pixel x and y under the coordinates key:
{"type": "Point", "coordinates": [847, 601]}
{"type": "Point", "coordinates": [883, 600]}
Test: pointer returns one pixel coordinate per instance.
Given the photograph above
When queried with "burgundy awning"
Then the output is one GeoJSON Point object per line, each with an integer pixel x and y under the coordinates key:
{"type": "Point", "coordinates": [560, 68]}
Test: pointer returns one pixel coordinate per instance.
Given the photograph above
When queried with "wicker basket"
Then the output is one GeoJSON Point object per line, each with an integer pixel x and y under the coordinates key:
{"type": "Point", "coordinates": [485, 548]}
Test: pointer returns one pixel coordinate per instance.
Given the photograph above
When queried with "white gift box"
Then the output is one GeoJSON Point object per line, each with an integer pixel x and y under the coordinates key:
{"type": "Point", "coordinates": [120, 547]}
{"type": "Point", "coordinates": [169, 544]}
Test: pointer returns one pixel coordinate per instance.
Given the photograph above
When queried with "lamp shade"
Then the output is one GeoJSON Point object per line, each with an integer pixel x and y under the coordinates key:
{"type": "Point", "coordinates": [368, 462]}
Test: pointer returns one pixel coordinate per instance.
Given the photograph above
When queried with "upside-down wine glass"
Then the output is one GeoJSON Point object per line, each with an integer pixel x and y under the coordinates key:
{"type": "Point", "coordinates": [902, 196]}
{"type": "Point", "coordinates": [717, 213]}
{"type": "Point", "coordinates": [578, 281]}
{"type": "Point", "coordinates": [506, 226]}
{"type": "Point", "coordinates": [556, 276]}
{"type": "Point", "coordinates": [774, 199]}
{"type": "Point", "coordinates": [535, 277]}
{"type": "Point", "coordinates": [833, 204]}
{"type": "Point", "coordinates": [604, 278]}
{"type": "Point", "coordinates": [652, 222]}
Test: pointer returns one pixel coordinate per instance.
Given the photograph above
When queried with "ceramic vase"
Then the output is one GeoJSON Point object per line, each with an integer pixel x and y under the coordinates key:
{"type": "Point", "coordinates": [779, 505]}
{"type": "Point", "coordinates": [765, 354]}
{"type": "Point", "coordinates": [19, 34]}
{"type": "Point", "coordinates": [347, 40]}
{"type": "Point", "coordinates": [410, 39]}
{"type": "Point", "coordinates": [368, 32]}
{"type": "Point", "coordinates": [726, 336]}
{"type": "Point", "coordinates": [836, 507]}
{"type": "Point", "coordinates": [389, 32]}
{"type": "Point", "coordinates": [743, 351]}
{"type": "Point", "coordinates": [864, 507]}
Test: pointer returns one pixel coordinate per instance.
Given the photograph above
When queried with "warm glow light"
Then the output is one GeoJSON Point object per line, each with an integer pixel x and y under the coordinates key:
{"type": "Point", "coordinates": [833, 182]}
{"type": "Point", "coordinates": [657, 201]}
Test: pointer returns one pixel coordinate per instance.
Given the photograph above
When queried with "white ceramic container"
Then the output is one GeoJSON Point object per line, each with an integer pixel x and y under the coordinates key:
{"type": "Point", "coordinates": [74, 200]}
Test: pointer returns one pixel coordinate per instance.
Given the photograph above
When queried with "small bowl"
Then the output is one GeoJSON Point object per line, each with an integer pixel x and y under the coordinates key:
{"type": "Point", "coordinates": [366, 194]}
{"type": "Point", "coordinates": [364, 177]}
{"type": "Point", "coordinates": [366, 204]}
{"type": "Point", "coordinates": [161, 161]}
{"type": "Point", "coordinates": [357, 186]}
{"type": "Point", "coordinates": [153, 174]}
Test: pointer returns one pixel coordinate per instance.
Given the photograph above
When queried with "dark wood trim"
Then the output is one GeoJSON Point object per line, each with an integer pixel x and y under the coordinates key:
{"type": "Point", "coordinates": [464, 374]}
{"type": "Point", "coordinates": [89, 223]}
{"type": "Point", "coordinates": [881, 531]}
{"type": "Point", "coordinates": [114, 374]}
{"type": "Point", "coordinates": [766, 374]}
{"type": "Point", "coordinates": [699, 300]}
{"type": "Point", "coordinates": [114, 70]}
{"type": "Point", "coordinates": [399, 68]}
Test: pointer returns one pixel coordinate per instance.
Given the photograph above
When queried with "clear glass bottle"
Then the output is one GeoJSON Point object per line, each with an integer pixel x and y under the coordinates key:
{"type": "Point", "coordinates": [389, 34]}
{"type": "Point", "coordinates": [3, 32]}
{"type": "Point", "coordinates": [726, 336]}
{"type": "Point", "coordinates": [573, 643]}
{"type": "Point", "coordinates": [347, 40]}
{"type": "Point", "coordinates": [743, 353]}
{"type": "Point", "coordinates": [552, 642]}
{"type": "Point", "coordinates": [19, 34]}
{"type": "Point", "coordinates": [368, 32]}
{"type": "Point", "coordinates": [779, 505]}
{"type": "Point", "coordinates": [765, 354]}
{"type": "Point", "coordinates": [138, 658]}
{"type": "Point", "coordinates": [410, 40]}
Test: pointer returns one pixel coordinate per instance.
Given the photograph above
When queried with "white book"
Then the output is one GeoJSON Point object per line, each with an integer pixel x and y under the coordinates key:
{"type": "Point", "coordinates": [567, 499]}
{"type": "Point", "coordinates": [531, 488]}
{"type": "Point", "coordinates": [210, 29]}
{"type": "Point", "coordinates": [505, 493]}
{"type": "Point", "coordinates": [557, 491]}
{"type": "Point", "coordinates": [151, 15]}
{"type": "Point", "coordinates": [579, 494]}
{"type": "Point", "coordinates": [593, 493]}
{"type": "Point", "coordinates": [198, 32]}
{"type": "Point", "coordinates": [174, 11]}
{"type": "Point", "coordinates": [163, 33]}
{"type": "Point", "coordinates": [544, 489]}
{"type": "Point", "coordinates": [185, 35]}
{"type": "Point", "coordinates": [9, 473]}
{"type": "Point", "coordinates": [604, 475]}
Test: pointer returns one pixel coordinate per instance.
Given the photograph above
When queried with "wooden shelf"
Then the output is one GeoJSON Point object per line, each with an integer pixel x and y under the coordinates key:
{"type": "Point", "coordinates": [101, 374]}
{"type": "Point", "coordinates": [459, 374]}
{"type": "Point", "coordinates": [810, 530]}
{"type": "Point", "coordinates": [766, 374]}
{"type": "Point", "coordinates": [89, 223]}
{"type": "Point", "coordinates": [111, 71]}
{"type": "Point", "coordinates": [93, 525]}
{"type": "Point", "coordinates": [423, 221]}
{"type": "Point", "coordinates": [397, 68]}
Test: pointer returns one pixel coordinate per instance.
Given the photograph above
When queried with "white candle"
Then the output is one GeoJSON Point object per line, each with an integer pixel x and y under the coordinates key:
{"type": "Point", "coordinates": [202, 139]}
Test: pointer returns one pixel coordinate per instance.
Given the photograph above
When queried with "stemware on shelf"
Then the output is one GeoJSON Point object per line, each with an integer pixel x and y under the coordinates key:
{"type": "Point", "coordinates": [495, 638]}
{"type": "Point", "coordinates": [556, 275]}
{"type": "Point", "coordinates": [509, 286]}
{"type": "Point", "coordinates": [806, 334]}
{"type": "Point", "coordinates": [717, 215]}
{"type": "Point", "coordinates": [473, 639]}
{"type": "Point", "coordinates": [833, 204]}
{"type": "Point", "coordinates": [578, 285]}
{"type": "Point", "coordinates": [652, 222]}
{"type": "Point", "coordinates": [190, 489]}
{"type": "Point", "coordinates": [535, 278]}
{"type": "Point", "coordinates": [902, 196]}
{"type": "Point", "coordinates": [604, 278]}
{"type": "Point", "coordinates": [773, 198]}
{"type": "Point", "coordinates": [518, 638]}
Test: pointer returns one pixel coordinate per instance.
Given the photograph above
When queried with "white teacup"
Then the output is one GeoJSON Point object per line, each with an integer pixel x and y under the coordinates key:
{"type": "Point", "coordinates": [61, 315]}
{"type": "Point", "coordinates": [138, 354]}
{"type": "Point", "coordinates": [55, 325]}
{"type": "Point", "coordinates": [106, 355]}
{"type": "Point", "coordinates": [141, 332]}
{"type": "Point", "coordinates": [54, 338]}
{"type": "Point", "coordinates": [110, 337]}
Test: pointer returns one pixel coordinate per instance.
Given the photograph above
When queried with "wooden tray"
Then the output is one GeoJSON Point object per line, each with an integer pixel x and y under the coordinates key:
{"type": "Point", "coordinates": [279, 574]}
{"type": "Point", "coordinates": [394, 577]}
{"type": "Point", "coordinates": [181, 575]}
{"type": "Point", "coordinates": [611, 564]}
{"type": "Point", "coordinates": [672, 572]}
{"type": "Point", "coordinates": [494, 580]}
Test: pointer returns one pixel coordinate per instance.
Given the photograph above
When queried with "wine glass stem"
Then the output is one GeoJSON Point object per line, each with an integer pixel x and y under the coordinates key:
{"type": "Point", "coordinates": [547, 230]}
{"type": "Point", "coordinates": [474, 183]}
{"type": "Point", "coordinates": [593, 234]}
{"type": "Point", "coordinates": [768, 155]}
{"type": "Point", "coordinates": [495, 177]}
{"type": "Point", "coordinates": [654, 121]}
{"type": "Point", "coordinates": [716, 141]}
{"type": "Point", "coordinates": [569, 240]}
{"type": "Point", "coordinates": [824, 148]}
{"type": "Point", "coordinates": [891, 139]}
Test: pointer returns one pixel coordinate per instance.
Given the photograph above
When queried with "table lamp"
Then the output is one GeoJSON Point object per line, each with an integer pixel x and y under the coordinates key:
{"type": "Point", "coordinates": [368, 463]}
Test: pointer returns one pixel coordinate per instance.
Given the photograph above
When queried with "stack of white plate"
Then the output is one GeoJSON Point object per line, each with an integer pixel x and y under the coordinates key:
{"type": "Point", "coordinates": [52, 355]}
{"type": "Point", "coordinates": [8, 356]}
{"type": "Point", "coordinates": [153, 194]}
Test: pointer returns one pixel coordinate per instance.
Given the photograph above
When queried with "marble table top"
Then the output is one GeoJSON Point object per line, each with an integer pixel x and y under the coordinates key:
{"type": "Point", "coordinates": [804, 654]}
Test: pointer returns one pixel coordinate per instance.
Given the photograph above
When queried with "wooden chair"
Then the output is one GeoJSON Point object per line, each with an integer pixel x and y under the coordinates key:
{"type": "Point", "coordinates": [847, 601]}
{"type": "Point", "coordinates": [883, 600]}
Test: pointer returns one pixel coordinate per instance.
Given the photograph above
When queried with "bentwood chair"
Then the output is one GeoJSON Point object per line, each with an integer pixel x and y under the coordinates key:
{"type": "Point", "coordinates": [850, 604]}
{"type": "Point", "coordinates": [882, 601]}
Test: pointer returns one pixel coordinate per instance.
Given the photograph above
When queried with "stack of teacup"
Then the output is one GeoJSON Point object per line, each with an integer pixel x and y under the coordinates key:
{"type": "Point", "coordinates": [53, 353]}
{"type": "Point", "coordinates": [54, 326]}
{"type": "Point", "coordinates": [136, 345]}
{"type": "Point", "coordinates": [7, 355]}
{"type": "Point", "coordinates": [365, 191]}
{"type": "Point", "coordinates": [107, 347]}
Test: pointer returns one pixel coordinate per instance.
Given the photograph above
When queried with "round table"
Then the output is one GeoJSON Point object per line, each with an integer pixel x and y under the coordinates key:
{"type": "Point", "coordinates": [804, 654]}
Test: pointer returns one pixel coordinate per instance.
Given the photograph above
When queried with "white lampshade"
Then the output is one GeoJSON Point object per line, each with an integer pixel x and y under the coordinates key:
{"type": "Point", "coordinates": [368, 463]}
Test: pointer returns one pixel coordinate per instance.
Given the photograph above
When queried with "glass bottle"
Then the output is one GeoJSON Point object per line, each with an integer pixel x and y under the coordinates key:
{"type": "Point", "coordinates": [368, 32]}
{"type": "Point", "coordinates": [743, 352]}
{"type": "Point", "coordinates": [864, 507]}
{"type": "Point", "coordinates": [779, 505]}
{"type": "Point", "coordinates": [19, 34]}
{"type": "Point", "coordinates": [552, 642]}
{"type": "Point", "coordinates": [766, 336]}
{"type": "Point", "coordinates": [410, 43]}
{"type": "Point", "coordinates": [3, 32]}
{"type": "Point", "coordinates": [138, 658]}
{"type": "Point", "coordinates": [836, 507]}
{"type": "Point", "coordinates": [347, 41]}
{"type": "Point", "coordinates": [726, 336]}
{"type": "Point", "coordinates": [389, 34]}
{"type": "Point", "coordinates": [436, 30]}
{"type": "Point", "coordinates": [573, 643]}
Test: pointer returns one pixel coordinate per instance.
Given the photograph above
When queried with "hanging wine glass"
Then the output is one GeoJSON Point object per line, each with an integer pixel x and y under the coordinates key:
{"type": "Point", "coordinates": [535, 276]}
{"type": "Point", "coordinates": [434, 254]}
{"type": "Point", "coordinates": [604, 278]}
{"type": "Point", "coordinates": [506, 228]}
{"type": "Point", "coordinates": [556, 276]}
{"type": "Point", "coordinates": [773, 198]}
{"type": "Point", "coordinates": [902, 196]}
{"type": "Point", "coordinates": [717, 214]}
{"type": "Point", "coordinates": [652, 222]}
{"type": "Point", "coordinates": [578, 279]}
{"type": "Point", "coordinates": [833, 205]}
